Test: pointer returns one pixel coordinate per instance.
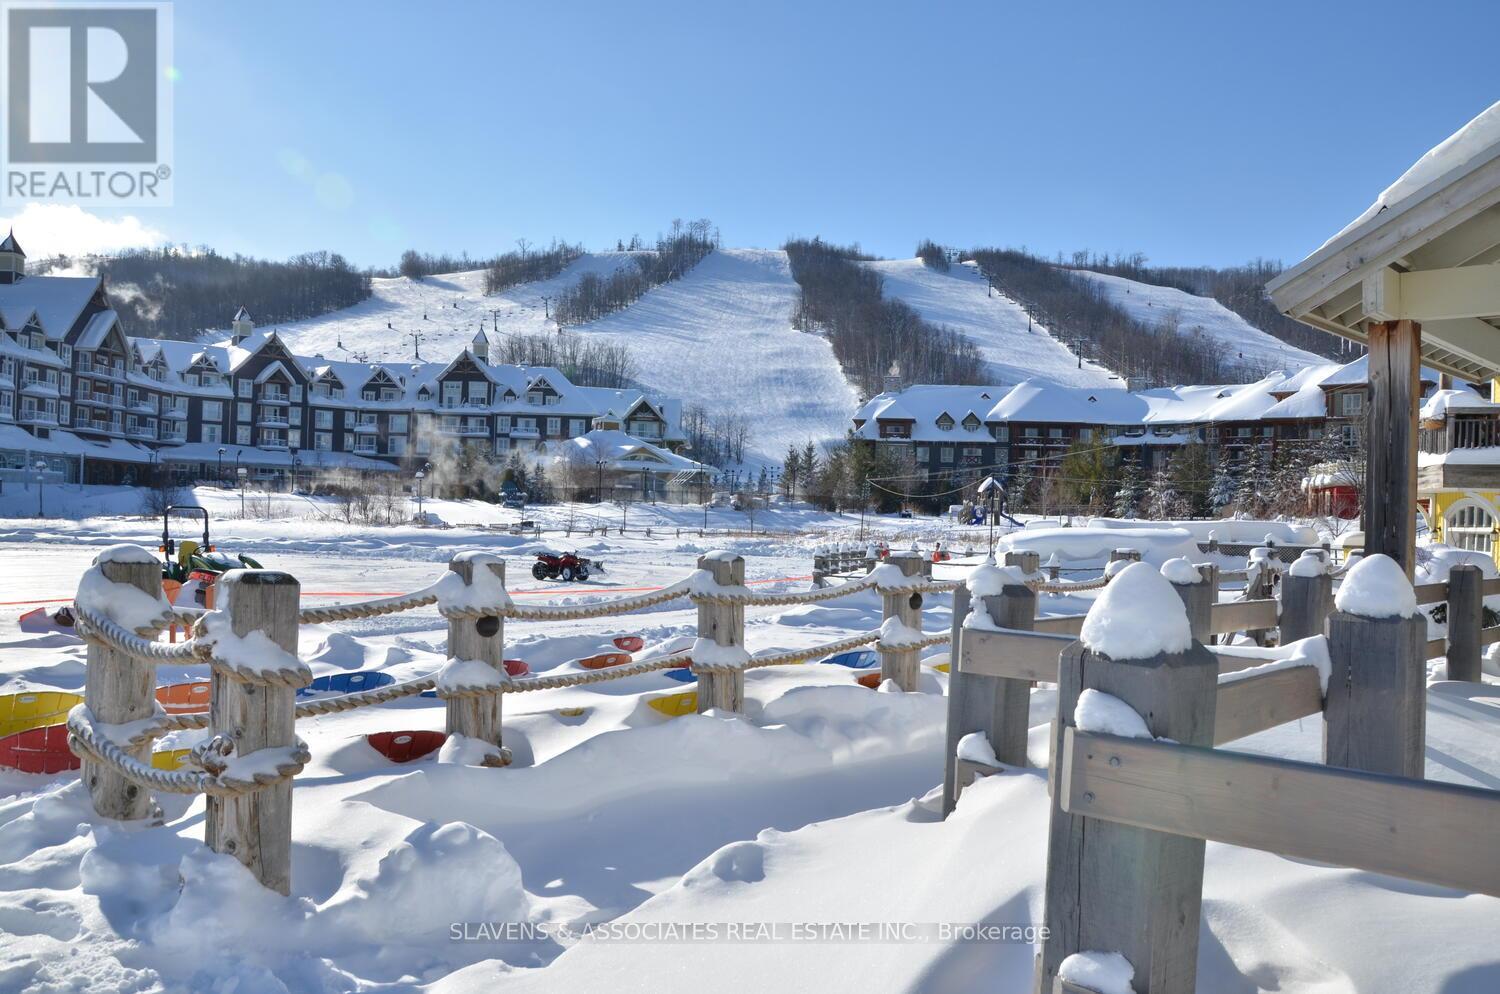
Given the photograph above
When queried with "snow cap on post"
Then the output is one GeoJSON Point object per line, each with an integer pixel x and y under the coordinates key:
{"type": "Point", "coordinates": [990, 580]}
{"type": "Point", "coordinates": [1377, 587]}
{"type": "Point", "coordinates": [1107, 973]}
{"type": "Point", "coordinates": [1180, 571]}
{"type": "Point", "coordinates": [1138, 616]}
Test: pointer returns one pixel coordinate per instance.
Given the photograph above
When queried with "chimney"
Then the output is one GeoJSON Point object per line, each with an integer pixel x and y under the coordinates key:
{"type": "Point", "coordinates": [893, 379]}
{"type": "Point", "coordinates": [242, 327]}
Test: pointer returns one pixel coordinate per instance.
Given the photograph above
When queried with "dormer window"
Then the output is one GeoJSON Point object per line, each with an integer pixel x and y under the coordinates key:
{"type": "Point", "coordinates": [971, 423]}
{"type": "Point", "coordinates": [945, 422]}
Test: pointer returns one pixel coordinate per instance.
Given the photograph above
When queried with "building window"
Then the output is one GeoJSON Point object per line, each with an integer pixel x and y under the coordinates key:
{"type": "Point", "coordinates": [921, 453]}
{"type": "Point", "coordinates": [213, 410]}
{"type": "Point", "coordinates": [242, 412]}
{"type": "Point", "coordinates": [296, 393]}
{"type": "Point", "coordinates": [242, 435]}
{"type": "Point", "coordinates": [554, 427]}
{"type": "Point", "coordinates": [502, 422]}
{"type": "Point", "coordinates": [244, 388]}
{"type": "Point", "coordinates": [294, 437]}
{"type": "Point", "coordinates": [323, 441]}
{"type": "Point", "coordinates": [322, 418]}
{"type": "Point", "coordinates": [945, 453]}
{"type": "Point", "coordinates": [212, 434]}
{"type": "Point", "coordinates": [1469, 526]}
{"type": "Point", "coordinates": [1351, 404]}
{"type": "Point", "coordinates": [397, 445]}
{"type": "Point", "coordinates": [348, 440]}
{"type": "Point", "coordinates": [398, 424]}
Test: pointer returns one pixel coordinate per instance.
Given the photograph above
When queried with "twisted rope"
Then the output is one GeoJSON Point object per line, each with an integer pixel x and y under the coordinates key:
{"type": "Point", "coordinates": [104, 631]}
{"type": "Point", "coordinates": [927, 642]}
{"type": "Point", "coordinates": [86, 742]}
{"type": "Point", "coordinates": [365, 698]}
{"type": "Point", "coordinates": [576, 612]}
{"type": "Point", "coordinates": [366, 609]}
{"type": "Point", "coordinates": [803, 655]}
{"type": "Point", "coordinates": [522, 684]}
{"type": "Point", "coordinates": [1057, 587]}
{"type": "Point", "coordinates": [744, 597]}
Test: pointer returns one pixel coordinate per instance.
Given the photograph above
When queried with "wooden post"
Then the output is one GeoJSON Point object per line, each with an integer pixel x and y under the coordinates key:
{"type": "Point", "coordinates": [1127, 555]}
{"type": "Point", "coordinates": [1118, 887]}
{"type": "Point", "coordinates": [1375, 712]}
{"type": "Point", "coordinates": [483, 639]}
{"type": "Point", "coordinates": [119, 689]}
{"type": "Point", "coordinates": [963, 700]}
{"type": "Point", "coordinates": [256, 828]}
{"type": "Point", "coordinates": [902, 665]}
{"type": "Point", "coordinates": [724, 624]}
{"type": "Point", "coordinates": [1465, 621]}
{"type": "Point", "coordinates": [1391, 430]}
{"type": "Point", "coordinates": [1198, 600]}
{"type": "Point", "coordinates": [1030, 562]}
{"type": "Point", "coordinates": [1010, 700]}
{"type": "Point", "coordinates": [1305, 603]}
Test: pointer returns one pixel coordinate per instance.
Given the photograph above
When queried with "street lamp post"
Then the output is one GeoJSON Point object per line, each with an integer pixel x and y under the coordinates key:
{"type": "Point", "coordinates": [41, 468]}
{"type": "Point", "coordinates": [599, 491]}
{"type": "Point", "coordinates": [421, 475]}
{"type": "Point", "coordinates": [220, 475]}
{"type": "Point", "coordinates": [243, 475]}
{"type": "Point", "coordinates": [296, 464]}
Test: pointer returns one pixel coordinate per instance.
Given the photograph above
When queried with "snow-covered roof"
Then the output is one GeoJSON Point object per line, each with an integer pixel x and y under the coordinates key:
{"type": "Point", "coordinates": [1441, 402]}
{"type": "Point", "coordinates": [11, 245]}
{"type": "Point", "coordinates": [923, 405]}
{"type": "Point", "coordinates": [57, 301]}
{"type": "Point", "coordinates": [1424, 251]}
{"type": "Point", "coordinates": [620, 451]}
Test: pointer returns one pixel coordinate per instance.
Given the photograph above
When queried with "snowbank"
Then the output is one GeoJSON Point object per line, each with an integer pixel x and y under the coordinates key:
{"type": "Point", "coordinates": [1093, 544]}
{"type": "Point", "coordinates": [1376, 587]}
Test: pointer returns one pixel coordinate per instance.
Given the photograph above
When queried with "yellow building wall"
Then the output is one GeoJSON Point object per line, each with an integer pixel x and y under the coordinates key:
{"type": "Point", "coordinates": [1443, 500]}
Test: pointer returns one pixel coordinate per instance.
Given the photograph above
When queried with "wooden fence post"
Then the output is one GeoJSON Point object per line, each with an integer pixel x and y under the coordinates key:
{"type": "Point", "coordinates": [483, 639]}
{"type": "Point", "coordinates": [256, 828]}
{"type": "Point", "coordinates": [724, 624]}
{"type": "Point", "coordinates": [1127, 555]}
{"type": "Point", "coordinates": [902, 665]}
{"type": "Point", "coordinates": [1010, 700]}
{"type": "Point", "coordinates": [1114, 886]}
{"type": "Point", "coordinates": [117, 689]}
{"type": "Point", "coordinates": [1465, 621]}
{"type": "Point", "coordinates": [1375, 712]}
{"type": "Point", "coordinates": [963, 700]}
{"type": "Point", "coordinates": [1198, 601]}
{"type": "Point", "coordinates": [1306, 599]}
{"type": "Point", "coordinates": [1029, 562]}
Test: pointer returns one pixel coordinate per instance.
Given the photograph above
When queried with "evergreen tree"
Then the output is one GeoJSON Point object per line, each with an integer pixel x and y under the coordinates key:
{"type": "Point", "coordinates": [1190, 479]}
{"type": "Point", "coordinates": [1162, 499]}
{"type": "Point", "coordinates": [1128, 496]}
{"type": "Point", "coordinates": [1088, 474]}
{"type": "Point", "coordinates": [1019, 491]}
{"type": "Point", "coordinates": [1221, 491]}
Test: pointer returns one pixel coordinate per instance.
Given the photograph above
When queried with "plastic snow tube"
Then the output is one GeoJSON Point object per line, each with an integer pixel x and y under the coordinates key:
{"type": "Point", "coordinates": [346, 683]}
{"type": "Point", "coordinates": [39, 750]}
{"type": "Point", "coordinates": [34, 709]}
{"type": "Point", "coordinates": [604, 660]}
{"type": "Point", "coordinates": [403, 747]}
{"type": "Point", "coordinates": [681, 675]}
{"type": "Point", "coordinates": [184, 698]}
{"type": "Point", "coordinates": [629, 643]}
{"type": "Point", "coordinates": [855, 659]}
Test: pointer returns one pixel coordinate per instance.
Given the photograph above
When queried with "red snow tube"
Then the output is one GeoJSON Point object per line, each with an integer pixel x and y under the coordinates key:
{"type": "Point", "coordinates": [604, 660]}
{"type": "Point", "coordinates": [403, 747]}
{"type": "Point", "coordinates": [38, 750]}
{"type": "Point", "coordinates": [629, 643]}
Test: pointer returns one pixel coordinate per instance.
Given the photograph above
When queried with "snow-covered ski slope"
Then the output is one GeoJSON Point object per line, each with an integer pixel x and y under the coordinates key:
{"type": "Point", "coordinates": [446, 310]}
{"type": "Point", "coordinates": [722, 337]}
{"type": "Point", "coordinates": [960, 299]}
{"type": "Point", "coordinates": [1244, 344]}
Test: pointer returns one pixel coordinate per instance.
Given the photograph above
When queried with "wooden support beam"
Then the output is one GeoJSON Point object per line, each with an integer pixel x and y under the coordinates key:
{"type": "Point", "coordinates": [118, 688]}
{"type": "Point", "coordinates": [1434, 832]}
{"type": "Point", "coordinates": [256, 828]}
{"type": "Point", "coordinates": [1264, 700]}
{"type": "Point", "coordinates": [1060, 624]}
{"type": "Point", "coordinates": [1391, 427]}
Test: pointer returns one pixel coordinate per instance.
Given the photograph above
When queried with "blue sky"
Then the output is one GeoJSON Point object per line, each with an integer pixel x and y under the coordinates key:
{"type": "Point", "coordinates": [1193, 132]}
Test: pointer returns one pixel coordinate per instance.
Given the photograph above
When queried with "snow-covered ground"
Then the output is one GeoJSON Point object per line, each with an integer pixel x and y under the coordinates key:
{"type": "Point", "coordinates": [960, 299]}
{"type": "Point", "coordinates": [1242, 342]}
{"type": "Point", "coordinates": [816, 807]}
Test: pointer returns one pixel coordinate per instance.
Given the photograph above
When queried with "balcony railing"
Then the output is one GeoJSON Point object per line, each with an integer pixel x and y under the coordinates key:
{"type": "Point", "coordinates": [174, 436]}
{"type": "Point", "coordinates": [273, 398]}
{"type": "Point", "coordinates": [473, 403]}
{"type": "Point", "coordinates": [140, 431]}
{"type": "Point", "coordinates": [273, 443]}
{"type": "Point", "coordinates": [272, 420]}
{"type": "Point", "coordinates": [1460, 433]}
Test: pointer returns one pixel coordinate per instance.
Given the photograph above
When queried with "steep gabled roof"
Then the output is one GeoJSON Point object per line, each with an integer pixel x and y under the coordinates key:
{"type": "Point", "coordinates": [11, 245]}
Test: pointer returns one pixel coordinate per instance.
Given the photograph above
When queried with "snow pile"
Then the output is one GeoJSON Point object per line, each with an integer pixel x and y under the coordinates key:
{"type": "Point", "coordinates": [1138, 616]}
{"type": "Point", "coordinates": [1312, 651]}
{"type": "Point", "coordinates": [1437, 406]}
{"type": "Point", "coordinates": [1227, 531]}
{"type": "Point", "coordinates": [888, 577]}
{"type": "Point", "coordinates": [976, 748]}
{"type": "Point", "coordinates": [1106, 714]}
{"type": "Point", "coordinates": [708, 654]}
{"type": "Point", "coordinates": [1093, 544]}
{"type": "Point", "coordinates": [896, 635]}
{"type": "Point", "coordinates": [1310, 563]}
{"type": "Point", "coordinates": [251, 653]}
{"type": "Point", "coordinates": [125, 605]}
{"type": "Point", "coordinates": [469, 673]}
{"type": "Point", "coordinates": [1376, 587]}
{"type": "Point", "coordinates": [485, 590]}
{"type": "Point", "coordinates": [1181, 571]}
{"type": "Point", "coordinates": [989, 580]}
{"type": "Point", "coordinates": [1106, 973]}
{"type": "Point", "coordinates": [464, 750]}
